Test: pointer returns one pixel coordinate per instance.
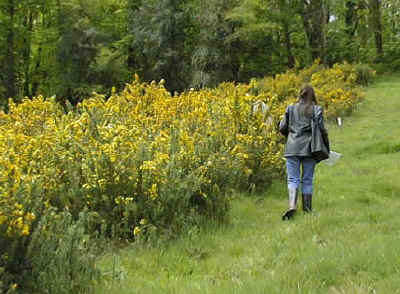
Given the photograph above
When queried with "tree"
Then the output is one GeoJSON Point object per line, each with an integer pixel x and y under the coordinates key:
{"type": "Point", "coordinates": [73, 47]}
{"type": "Point", "coordinates": [132, 8]}
{"type": "Point", "coordinates": [10, 64]}
{"type": "Point", "coordinates": [267, 29]}
{"type": "Point", "coordinates": [91, 53]}
{"type": "Point", "coordinates": [314, 17]}
{"type": "Point", "coordinates": [376, 20]}
{"type": "Point", "coordinates": [158, 30]}
{"type": "Point", "coordinates": [216, 49]}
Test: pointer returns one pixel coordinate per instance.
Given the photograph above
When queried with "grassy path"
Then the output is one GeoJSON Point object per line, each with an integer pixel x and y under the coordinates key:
{"type": "Point", "coordinates": [350, 244]}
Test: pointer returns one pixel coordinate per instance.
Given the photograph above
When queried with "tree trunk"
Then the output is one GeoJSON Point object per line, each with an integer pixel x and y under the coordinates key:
{"type": "Point", "coordinates": [350, 18]}
{"type": "Point", "coordinates": [288, 43]}
{"type": "Point", "coordinates": [35, 84]}
{"type": "Point", "coordinates": [351, 54]}
{"type": "Point", "coordinates": [37, 76]}
{"type": "Point", "coordinates": [375, 10]}
{"type": "Point", "coordinates": [314, 22]}
{"type": "Point", "coordinates": [10, 57]}
{"type": "Point", "coordinates": [131, 62]}
{"type": "Point", "coordinates": [27, 53]}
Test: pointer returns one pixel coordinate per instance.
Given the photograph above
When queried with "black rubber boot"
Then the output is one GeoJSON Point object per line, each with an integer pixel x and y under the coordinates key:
{"type": "Point", "coordinates": [292, 204]}
{"type": "Point", "coordinates": [307, 202]}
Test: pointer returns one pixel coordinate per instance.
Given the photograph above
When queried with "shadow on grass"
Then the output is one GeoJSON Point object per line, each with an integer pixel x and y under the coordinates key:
{"type": "Point", "coordinates": [386, 190]}
{"type": "Point", "coordinates": [379, 148]}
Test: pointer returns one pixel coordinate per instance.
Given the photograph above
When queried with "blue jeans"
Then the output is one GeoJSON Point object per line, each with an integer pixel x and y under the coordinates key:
{"type": "Point", "coordinates": [293, 165]}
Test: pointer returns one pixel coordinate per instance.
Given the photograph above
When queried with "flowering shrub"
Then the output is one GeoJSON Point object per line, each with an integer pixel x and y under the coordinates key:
{"type": "Point", "coordinates": [144, 159]}
{"type": "Point", "coordinates": [335, 87]}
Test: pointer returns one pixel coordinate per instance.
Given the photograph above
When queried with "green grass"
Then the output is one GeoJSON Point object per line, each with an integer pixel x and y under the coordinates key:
{"type": "Point", "coordinates": [350, 244]}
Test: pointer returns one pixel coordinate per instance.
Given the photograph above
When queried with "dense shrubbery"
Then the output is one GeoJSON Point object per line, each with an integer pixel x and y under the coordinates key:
{"type": "Point", "coordinates": [140, 161]}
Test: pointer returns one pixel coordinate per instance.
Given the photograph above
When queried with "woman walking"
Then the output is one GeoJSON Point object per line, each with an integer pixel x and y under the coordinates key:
{"type": "Point", "coordinates": [296, 126]}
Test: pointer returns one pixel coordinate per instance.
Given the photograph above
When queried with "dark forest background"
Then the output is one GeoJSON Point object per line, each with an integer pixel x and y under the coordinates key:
{"type": "Point", "coordinates": [70, 48]}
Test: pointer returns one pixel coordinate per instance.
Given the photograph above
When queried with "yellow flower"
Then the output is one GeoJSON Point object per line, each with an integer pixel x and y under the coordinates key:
{"type": "Point", "coordinates": [136, 231]}
{"type": "Point", "coordinates": [118, 200]}
{"type": "Point", "coordinates": [248, 171]}
{"type": "Point", "coordinates": [25, 230]}
{"type": "Point", "coordinates": [30, 216]}
{"type": "Point", "coordinates": [153, 191]}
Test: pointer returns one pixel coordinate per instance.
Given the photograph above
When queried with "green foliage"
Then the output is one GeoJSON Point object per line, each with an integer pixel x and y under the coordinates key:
{"type": "Point", "coordinates": [215, 58]}
{"type": "Point", "coordinates": [91, 53]}
{"type": "Point", "coordinates": [268, 29]}
{"type": "Point", "coordinates": [72, 48]}
{"type": "Point", "coordinates": [159, 38]}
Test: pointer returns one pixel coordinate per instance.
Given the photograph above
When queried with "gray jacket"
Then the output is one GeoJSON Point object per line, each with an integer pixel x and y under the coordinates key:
{"type": "Point", "coordinates": [297, 128]}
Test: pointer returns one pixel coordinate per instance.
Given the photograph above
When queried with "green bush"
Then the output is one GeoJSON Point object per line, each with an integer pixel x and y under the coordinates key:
{"type": "Point", "coordinates": [365, 74]}
{"type": "Point", "coordinates": [61, 256]}
{"type": "Point", "coordinates": [58, 257]}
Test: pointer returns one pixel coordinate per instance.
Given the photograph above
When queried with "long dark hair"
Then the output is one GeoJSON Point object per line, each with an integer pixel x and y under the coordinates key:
{"type": "Point", "coordinates": [307, 99]}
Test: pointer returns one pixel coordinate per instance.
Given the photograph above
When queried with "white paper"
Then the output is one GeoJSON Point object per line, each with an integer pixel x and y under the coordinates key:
{"type": "Point", "coordinates": [333, 158]}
